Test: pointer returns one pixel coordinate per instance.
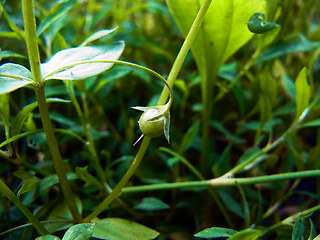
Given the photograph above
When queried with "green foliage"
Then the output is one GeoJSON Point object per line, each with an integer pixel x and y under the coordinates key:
{"type": "Point", "coordinates": [243, 159]}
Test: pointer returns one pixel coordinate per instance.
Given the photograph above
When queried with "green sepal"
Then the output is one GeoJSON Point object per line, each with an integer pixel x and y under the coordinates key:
{"type": "Point", "coordinates": [167, 127]}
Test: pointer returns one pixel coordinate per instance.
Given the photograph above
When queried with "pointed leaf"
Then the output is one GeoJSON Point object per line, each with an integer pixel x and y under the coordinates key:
{"type": "Point", "coordinates": [122, 229]}
{"type": "Point", "coordinates": [97, 35]}
{"type": "Point", "coordinates": [189, 136]}
{"type": "Point", "coordinates": [81, 231]}
{"type": "Point", "coordinates": [167, 128]}
{"type": "Point", "coordinates": [215, 232]}
{"type": "Point", "coordinates": [24, 113]}
{"type": "Point", "coordinates": [69, 64]}
{"type": "Point", "coordinates": [302, 92]}
{"type": "Point", "coordinates": [57, 11]}
{"type": "Point", "coordinates": [13, 76]}
{"type": "Point", "coordinates": [299, 229]}
{"type": "Point", "coordinates": [27, 186]}
{"type": "Point", "coordinates": [247, 234]}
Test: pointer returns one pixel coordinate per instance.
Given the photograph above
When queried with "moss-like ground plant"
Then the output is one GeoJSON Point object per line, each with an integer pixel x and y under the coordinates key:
{"type": "Point", "coordinates": [230, 141]}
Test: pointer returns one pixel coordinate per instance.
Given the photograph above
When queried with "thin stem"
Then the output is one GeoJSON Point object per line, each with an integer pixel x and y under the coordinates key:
{"type": "Point", "coordinates": [185, 49]}
{"type": "Point", "coordinates": [5, 190]}
{"type": "Point", "coordinates": [224, 181]}
{"type": "Point", "coordinates": [118, 189]}
{"type": "Point", "coordinates": [55, 154]}
{"type": "Point", "coordinates": [162, 100]}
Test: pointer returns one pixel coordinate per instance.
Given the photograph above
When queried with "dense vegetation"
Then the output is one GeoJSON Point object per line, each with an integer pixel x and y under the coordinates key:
{"type": "Point", "coordinates": [244, 142]}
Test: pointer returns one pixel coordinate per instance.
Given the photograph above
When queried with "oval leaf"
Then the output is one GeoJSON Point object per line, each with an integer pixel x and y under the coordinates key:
{"type": "Point", "coordinates": [69, 64]}
{"type": "Point", "coordinates": [13, 76]}
{"type": "Point", "coordinates": [81, 231]}
{"type": "Point", "coordinates": [215, 232]}
{"type": "Point", "coordinates": [121, 229]}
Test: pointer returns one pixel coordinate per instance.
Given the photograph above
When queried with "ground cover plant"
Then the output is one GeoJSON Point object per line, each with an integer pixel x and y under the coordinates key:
{"type": "Point", "coordinates": [227, 94]}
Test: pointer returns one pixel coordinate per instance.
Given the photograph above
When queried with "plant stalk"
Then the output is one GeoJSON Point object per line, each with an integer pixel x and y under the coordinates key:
{"type": "Point", "coordinates": [55, 154]}
{"type": "Point", "coordinates": [162, 100]}
{"type": "Point", "coordinates": [5, 190]}
{"type": "Point", "coordinates": [224, 181]}
{"type": "Point", "coordinates": [34, 59]}
{"type": "Point", "coordinates": [29, 22]}
{"type": "Point", "coordinates": [118, 189]}
{"type": "Point", "coordinates": [184, 50]}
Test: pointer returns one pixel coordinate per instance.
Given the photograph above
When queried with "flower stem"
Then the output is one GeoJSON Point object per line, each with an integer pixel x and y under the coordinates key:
{"type": "Point", "coordinates": [162, 100]}
{"type": "Point", "coordinates": [184, 49]}
{"type": "Point", "coordinates": [118, 189]}
{"type": "Point", "coordinates": [5, 190]}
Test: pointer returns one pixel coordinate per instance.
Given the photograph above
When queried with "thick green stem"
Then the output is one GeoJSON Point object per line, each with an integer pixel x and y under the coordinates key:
{"type": "Point", "coordinates": [16, 201]}
{"type": "Point", "coordinates": [184, 50]}
{"type": "Point", "coordinates": [34, 59]}
{"type": "Point", "coordinates": [118, 189]}
{"type": "Point", "coordinates": [224, 181]}
{"type": "Point", "coordinates": [29, 22]}
{"type": "Point", "coordinates": [55, 154]}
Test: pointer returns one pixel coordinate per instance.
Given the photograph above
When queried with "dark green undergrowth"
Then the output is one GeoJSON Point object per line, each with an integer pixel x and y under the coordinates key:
{"type": "Point", "coordinates": [244, 147]}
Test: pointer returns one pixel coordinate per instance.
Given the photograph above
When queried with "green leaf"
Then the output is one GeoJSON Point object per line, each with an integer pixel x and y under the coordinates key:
{"type": "Point", "coordinates": [247, 234]}
{"type": "Point", "coordinates": [299, 229]}
{"type": "Point", "coordinates": [51, 180]}
{"type": "Point", "coordinates": [313, 232]}
{"type": "Point", "coordinates": [152, 204]}
{"type": "Point", "coordinates": [22, 116]}
{"type": "Point", "coordinates": [222, 32]}
{"type": "Point", "coordinates": [229, 135]}
{"type": "Point", "coordinates": [81, 231]}
{"type": "Point", "coordinates": [314, 123]}
{"type": "Point", "coordinates": [10, 54]}
{"type": "Point", "coordinates": [27, 186]}
{"type": "Point", "coordinates": [5, 112]}
{"type": "Point", "coordinates": [122, 229]}
{"type": "Point", "coordinates": [97, 35]}
{"type": "Point", "coordinates": [215, 232]}
{"type": "Point", "coordinates": [72, 64]}
{"type": "Point", "coordinates": [302, 92]}
{"type": "Point", "coordinates": [57, 11]}
{"type": "Point", "coordinates": [61, 211]}
{"type": "Point", "coordinates": [190, 136]}
{"type": "Point", "coordinates": [289, 46]}
{"type": "Point", "coordinates": [13, 76]}
{"type": "Point", "coordinates": [47, 237]}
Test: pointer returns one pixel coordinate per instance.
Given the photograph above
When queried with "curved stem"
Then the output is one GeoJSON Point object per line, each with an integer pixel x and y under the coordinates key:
{"type": "Point", "coordinates": [5, 190]}
{"type": "Point", "coordinates": [185, 49]}
{"type": "Point", "coordinates": [162, 100]}
{"type": "Point", "coordinates": [118, 189]}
